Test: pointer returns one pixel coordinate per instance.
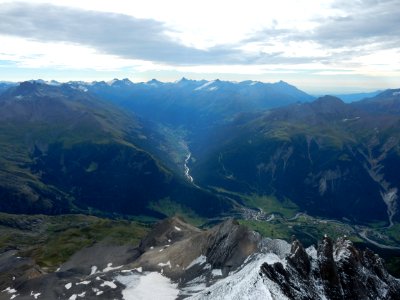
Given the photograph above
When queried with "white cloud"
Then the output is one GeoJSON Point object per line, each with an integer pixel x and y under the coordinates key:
{"type": "Point", "coordinates": [313, 40]}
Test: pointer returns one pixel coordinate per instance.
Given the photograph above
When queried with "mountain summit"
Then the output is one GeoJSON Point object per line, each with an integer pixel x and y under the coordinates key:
{"type": "Point", "coordinates": [228, 261]}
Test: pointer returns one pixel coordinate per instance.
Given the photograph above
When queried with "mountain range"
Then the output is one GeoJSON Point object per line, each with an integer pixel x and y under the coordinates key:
{"type": "Point", "coordinates": [64, 150]}
{"type": "Point", "coordinates": [83, 162]}
{"type": "Point", "coordinates": [60, 142]}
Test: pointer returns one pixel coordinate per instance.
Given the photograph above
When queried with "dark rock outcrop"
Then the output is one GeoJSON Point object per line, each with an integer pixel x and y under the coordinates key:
{"type": "Point", "coordinates": [229, 244]}
{"type": "Point", "coordinates": [336, 271]}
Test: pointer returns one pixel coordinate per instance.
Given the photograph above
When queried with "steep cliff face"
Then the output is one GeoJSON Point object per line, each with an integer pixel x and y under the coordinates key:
{"type": "Point", "coordinates": [337, 270]}
{"type": "Point", "coordinates": [330, 158]}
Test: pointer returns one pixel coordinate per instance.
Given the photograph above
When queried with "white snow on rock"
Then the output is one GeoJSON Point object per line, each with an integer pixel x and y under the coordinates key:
{"type": "Point", "coordinates": [198, 261]}
{"type": "Point", "coordinates": [110, 268]}
{"type": "Point", "coordinates": [35, 295]}
{"type": "Point", "coordinates": [10, 290]}
{"type": "Point", "coordinates": [97, 291]}
{"type": "Point", "coordinates": [68, 286]}
{"type": "Point", "coordinates": [167, 264]}
{"type": "Point", "coordinates": [149, 286]}
{"type": "Point", "coordinates": [216, 272]}
{"type": "Point", "coordinates": [82, 294]}
{"type": "Point", "coordinates": [110, 284]}
{"type": "Point", "coordinates": [73, 297]}
{"type": "Point", "coordinates": [126, 271]}
{"type": "Point", "coordinates": [86, 282]}
{"type": "Point", "coordinates": [204, 85]}
{"type": "Point", "coordinates": [245, 283]}
{"type": "Point", "coordinates": [177, 228]}
{"type": "Point", "coordinates": [93, 270]}
{"type": "Point", "coordinates": [312, 252]}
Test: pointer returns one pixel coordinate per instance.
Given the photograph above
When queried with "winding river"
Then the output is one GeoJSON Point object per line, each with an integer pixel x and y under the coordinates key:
{"type": "Point", "coordinates": [187, 170]}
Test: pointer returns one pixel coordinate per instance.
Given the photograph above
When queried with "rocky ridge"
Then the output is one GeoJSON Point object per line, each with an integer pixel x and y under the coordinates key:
{"type": "Point", "coordinates": [177, 260]}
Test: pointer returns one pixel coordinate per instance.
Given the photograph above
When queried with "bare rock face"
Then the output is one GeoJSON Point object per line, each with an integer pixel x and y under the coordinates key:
{"type": "Point", "coordinates": [15, 269]}
{"type": "Point", "coordinates": [229, 244]}
{"type": "Point", "coordinates": [337, 271]}
{"type": "Point", "coordinates": [224, 247]}
{"type": "Point", "coordinates": [171, 229]}
{"type": "Point", "coordinates": [227, 261]}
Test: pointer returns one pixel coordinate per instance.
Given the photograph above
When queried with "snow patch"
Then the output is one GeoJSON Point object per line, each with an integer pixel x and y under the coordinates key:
{"type": "Point", "coordinates": [97, 291]}
{"type": "Point", "coordinates": [126, 271]}
{"type": "Point", "coordinates": [110, 284]}
{"type": "Point", "coordinates": [93, 270]}
{"type": "Point", "coordinates": [10, 290]}
{"type": "Point", "coordinates": [312, 252]}
{"type": "Point", "coordinates": [152, 285]}
{"type": "Point", "coordinates": [110, 268]}
{"type": "Point", "coordinates": [177, 228]}
{"type": "Point", "coordinates": [216, 272]}
{"type": "Point", "coordinates": [168, 263]}
{"type": "Point", "coordinates": [35, 295]}
{"type": "Point", "coordinates": [245, 283]}
{"type": "Point", "coordinates": [201, 260]}
{"type": "Point", "coordinates": [68, 286]}
{"type": "Point", "coordinates": [204, 86]}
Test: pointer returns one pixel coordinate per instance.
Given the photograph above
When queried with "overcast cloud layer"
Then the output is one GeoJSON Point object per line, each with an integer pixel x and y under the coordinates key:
{"type": "Point", "coordinates": [349, 37]}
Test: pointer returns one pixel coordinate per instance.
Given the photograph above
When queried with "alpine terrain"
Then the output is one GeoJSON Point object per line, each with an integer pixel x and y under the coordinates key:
{"type": "Point", "coordinates": [197, 189]}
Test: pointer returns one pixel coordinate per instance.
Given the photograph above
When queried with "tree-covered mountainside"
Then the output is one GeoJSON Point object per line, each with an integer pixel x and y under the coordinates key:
{"type": "Point", "coordinates": [201, 148]}
{"type": "Point", "coordinates": [330, 158]}
{"type": "Point", "coordinates": [65, 150]}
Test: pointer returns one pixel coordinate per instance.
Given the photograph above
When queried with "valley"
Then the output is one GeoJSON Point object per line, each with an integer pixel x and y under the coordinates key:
{"type": "Point", "coordinates": [98, 164]}
{"type": "Point", "coordinates": [213, 150]}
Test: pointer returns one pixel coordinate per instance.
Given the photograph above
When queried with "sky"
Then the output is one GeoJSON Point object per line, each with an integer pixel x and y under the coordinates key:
{"type": "Point", "coordinates": [321, 46]}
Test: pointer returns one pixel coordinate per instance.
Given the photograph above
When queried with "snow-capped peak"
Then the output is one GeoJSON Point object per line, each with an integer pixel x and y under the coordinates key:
{"type": "Point", "coordinates": [207, 86]}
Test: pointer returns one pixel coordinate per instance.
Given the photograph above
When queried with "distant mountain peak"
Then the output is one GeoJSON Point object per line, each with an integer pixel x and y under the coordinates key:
{"type": "Point", "coordinates": [118, 82]}
{"type": "Point", "coordinates": [26, 88]}
{"type": "Point", "coordinates": [126, 80]}
{"type": "Point", "coordinates": [51, 82]}
{"type": "Point", "coordinates": [329, 99]}
{"type": "Point", "coordinates": [154, 82]}
{"type": "Point", "coordinates": [183, 79]}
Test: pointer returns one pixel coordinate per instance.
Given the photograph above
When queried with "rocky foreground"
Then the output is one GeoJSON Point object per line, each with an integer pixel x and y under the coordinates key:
{"type": "Point", "coordinates": [228, 261]}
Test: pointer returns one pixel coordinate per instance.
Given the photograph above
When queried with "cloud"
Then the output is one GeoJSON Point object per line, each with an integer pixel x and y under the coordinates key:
{"type": "Point", "coordinates": [109, 33]}
{"type": "Point", "coordinates": [362, 23]}
{"type": "Point", "coordinates": [321, 38]}
{"type": "Point", "coordinates": [131, 38]}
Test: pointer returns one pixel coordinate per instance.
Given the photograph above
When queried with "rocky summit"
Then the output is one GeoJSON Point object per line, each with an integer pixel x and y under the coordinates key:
{"type": "Point", "coordinates": [177, 260]}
